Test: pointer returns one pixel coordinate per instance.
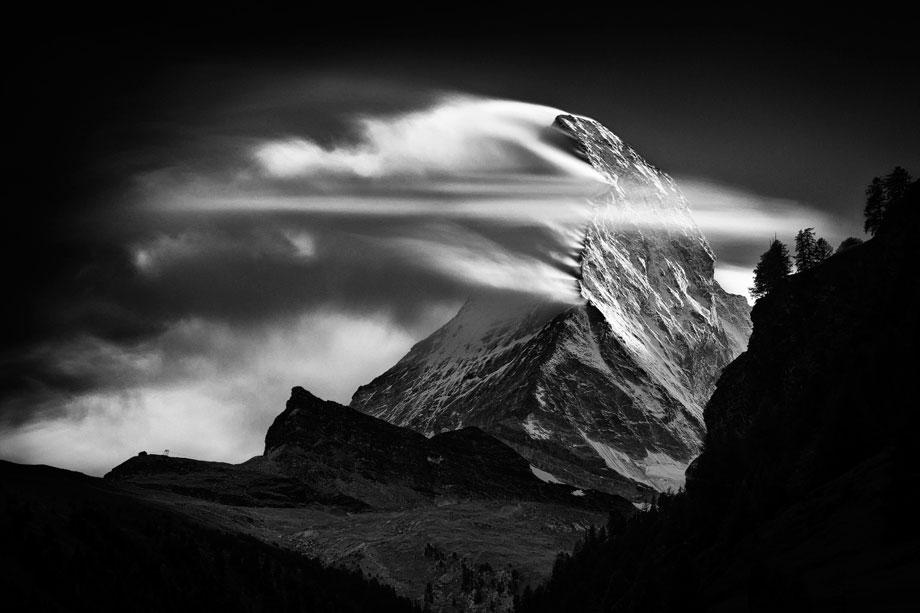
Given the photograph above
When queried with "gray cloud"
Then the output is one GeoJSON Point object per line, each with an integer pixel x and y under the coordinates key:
{"type": "Point", "coordinates": [741, 224]}
{"type": "Point", "coordinates": [197, 297]}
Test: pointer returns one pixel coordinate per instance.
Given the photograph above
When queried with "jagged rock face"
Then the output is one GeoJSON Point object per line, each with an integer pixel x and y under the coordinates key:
{"type": "Point", "coordinates": [324, 454]}
{"type": "Point", "coordinates": [608, 393]}
{"type": "Point", "coordinates": [340, 451]}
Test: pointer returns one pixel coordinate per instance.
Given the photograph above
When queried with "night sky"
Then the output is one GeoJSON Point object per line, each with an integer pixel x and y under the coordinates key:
{"type": "Point", "coordinates": [157, 296]}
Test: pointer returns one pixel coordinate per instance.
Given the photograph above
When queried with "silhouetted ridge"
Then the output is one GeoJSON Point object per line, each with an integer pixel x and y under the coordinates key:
{"type": "Point", "coordinates": [75, 543]}
{"type": "Point", "coordinates": [337, 447]}
{"type": "Point", "coordinates": [308, 420]}
{"type": "Point", "coordinates": [798, 499]}
{"type": "Point", "coordinates": [319, 452]}
{"type": "Point", "coordinates": [248, 485]}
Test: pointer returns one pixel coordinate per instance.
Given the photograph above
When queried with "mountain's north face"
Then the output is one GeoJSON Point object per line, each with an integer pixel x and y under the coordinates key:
{"type": "Point", "coordinates": [608, 393]}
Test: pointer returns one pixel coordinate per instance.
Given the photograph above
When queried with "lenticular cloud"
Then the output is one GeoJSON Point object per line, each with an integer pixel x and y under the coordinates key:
{"type": "Point", "coordinates": [483, 195]}
{"type": "Point", "coordinates": [461, 136]}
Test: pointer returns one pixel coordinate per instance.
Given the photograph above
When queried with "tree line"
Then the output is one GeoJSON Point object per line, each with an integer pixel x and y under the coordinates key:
{"type": "Point", "coordinates": [882, 194]}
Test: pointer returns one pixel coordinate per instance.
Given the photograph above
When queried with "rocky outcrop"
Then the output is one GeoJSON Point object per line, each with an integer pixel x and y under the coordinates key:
{"type": "Point", "coordinates": [336, 448]}
{"type": "Point", "coordinates": [607, 393]}
{"type": "Point", "coordinates": [321, 453]}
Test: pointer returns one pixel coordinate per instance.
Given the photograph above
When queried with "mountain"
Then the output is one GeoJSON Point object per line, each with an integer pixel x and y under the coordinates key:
{"type": "Point", "coordinates": [800, 499]}
{"type": "Point", "coordinates": [322, 453]}
{"type": "Point", "coordinates": [458, 521]}
{"type": "Point", "coordinates": [607, 393]}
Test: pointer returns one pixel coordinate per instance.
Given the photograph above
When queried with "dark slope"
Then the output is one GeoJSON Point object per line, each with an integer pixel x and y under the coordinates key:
{"type": "Point", "coordinates": [74, 543]}
{"type": "Point", "coordinates": [354, 491]}
{"type": "Point", "coordinates": [798, 501]}
{"type": "Point", "coordinates": [336, 489]}
{"type": "Point", "coordinates": [325, 442]}
{"type": "Point", "coordinates": [245, 485]}
{"type": "Point", "coordinates": [325, 454]}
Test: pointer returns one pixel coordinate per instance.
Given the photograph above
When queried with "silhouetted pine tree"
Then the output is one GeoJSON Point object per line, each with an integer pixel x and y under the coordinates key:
{"type": "Point", "coordinates": [805, 249]}
{"type": "Point", "coordinates": [849, 243]}
{"type": "Point", "coordinates": [881, 193]}
{"type": "Point", "coordinates": [896, 183]}
{"type": "Point", "coordinates": [773, 267]}
{"type": "Point", "coordinates": [823, 250]}
{"type": "Point", "coordinates": [875, 206]}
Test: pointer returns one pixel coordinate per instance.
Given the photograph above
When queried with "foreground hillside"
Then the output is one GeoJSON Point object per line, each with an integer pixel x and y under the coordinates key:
{"type": "Point", "coordinates": [457, 522]}
{"type": "Point", "coordinates": [74, 543]}
{"type": "Point", "coordinates": [798, 501]}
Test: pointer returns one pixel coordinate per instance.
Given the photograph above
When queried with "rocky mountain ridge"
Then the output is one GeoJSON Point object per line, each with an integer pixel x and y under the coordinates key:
{"type": "Point", "coordinates": [606, 394]}
{"type": "Point", "coordinates": [323, 453]}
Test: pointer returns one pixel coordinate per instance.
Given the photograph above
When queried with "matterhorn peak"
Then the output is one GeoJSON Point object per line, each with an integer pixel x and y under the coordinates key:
{"type": "Point", "coordinates": [604, 394]}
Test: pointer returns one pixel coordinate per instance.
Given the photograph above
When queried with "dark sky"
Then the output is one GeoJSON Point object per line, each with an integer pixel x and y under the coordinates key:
{"type": "Point", "coordinates": [777, 112]}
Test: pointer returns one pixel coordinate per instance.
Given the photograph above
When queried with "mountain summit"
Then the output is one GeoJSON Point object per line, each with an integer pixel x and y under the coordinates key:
{"type": "Point", "coordinates": [607, 393]}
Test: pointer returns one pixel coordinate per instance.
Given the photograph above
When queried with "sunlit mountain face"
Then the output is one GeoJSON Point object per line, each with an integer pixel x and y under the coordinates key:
{"type": "Point", "coordinates": [608, 392]}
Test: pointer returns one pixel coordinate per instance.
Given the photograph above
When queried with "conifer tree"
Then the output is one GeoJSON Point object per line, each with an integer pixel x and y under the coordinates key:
{"type": "Point", "coordinates": [875, 206]}
{"type": "Point", "coordinates": [849, 243]}
{"type": "Point", "coordinates": [823, 250]}
{"type": "Point", "coordinates": [805, 249]}
{"type": "Point", "coordinates": [896, 183]}
{"type": "Point", "coordinates": [881, 194]}
{"type": "Point", "coordinates": [773, 267]}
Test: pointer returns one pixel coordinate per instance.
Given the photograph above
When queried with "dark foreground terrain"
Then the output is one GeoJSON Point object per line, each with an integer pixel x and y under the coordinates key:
{"type": "Point", "coordinates": [340, 505]}
{"type": "Point", "coordinates": [75, 543]}
{"type": "Point", "coordinates": [800, 500]}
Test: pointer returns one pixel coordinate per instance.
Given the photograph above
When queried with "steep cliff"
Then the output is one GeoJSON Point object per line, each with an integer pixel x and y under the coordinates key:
{"type": "Point", "coordinates": [607, 393]}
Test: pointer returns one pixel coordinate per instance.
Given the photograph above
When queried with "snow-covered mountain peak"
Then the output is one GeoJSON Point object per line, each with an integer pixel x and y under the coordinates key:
{"type": "Point", "coordinates": [606, 152]}
{"type": "Point", "coordinates": [605, 394]}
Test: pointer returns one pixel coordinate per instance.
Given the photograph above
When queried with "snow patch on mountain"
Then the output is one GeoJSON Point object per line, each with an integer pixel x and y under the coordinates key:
{"type": "Point", "coordinates": [535, 430]}
{"type": "Point", "coordinates": [544, 476]}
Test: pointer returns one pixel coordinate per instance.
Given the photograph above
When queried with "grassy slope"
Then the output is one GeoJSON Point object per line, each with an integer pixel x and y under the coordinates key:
{"type": "Point", "coordinates": [73, 543]}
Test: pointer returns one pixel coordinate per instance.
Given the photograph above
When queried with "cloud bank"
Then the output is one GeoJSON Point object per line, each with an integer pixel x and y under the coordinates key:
{"type": "Point", "coordinates": [461, 136]}
{"type": "Point", "coordinates": [740, 225]}
{"type": "Point", "coordinates": [249, 265]}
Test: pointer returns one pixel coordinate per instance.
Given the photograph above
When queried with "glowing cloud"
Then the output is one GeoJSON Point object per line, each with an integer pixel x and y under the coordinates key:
{"type": "Point", "coordinates": [459, 136]}
{"type": "Point", "coordinates": [728, 213]}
